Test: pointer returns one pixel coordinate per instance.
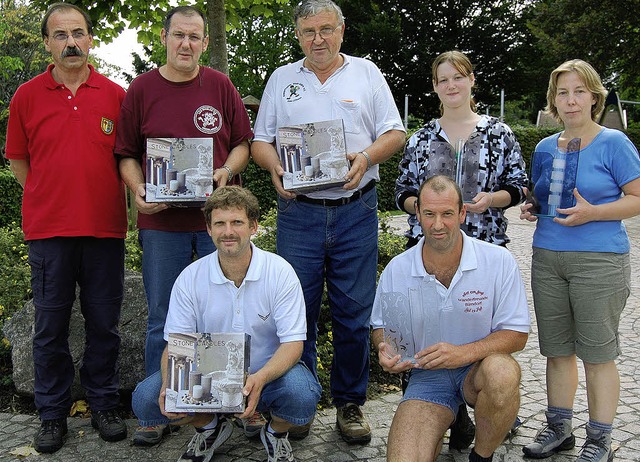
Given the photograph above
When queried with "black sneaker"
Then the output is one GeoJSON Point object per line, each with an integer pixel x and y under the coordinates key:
{"type": "Point", "coordinates": [109, 425]}
{"type": "Point", "coordinates": [462, 430]}
{"type": "Point", "coordinates": [51, 435]}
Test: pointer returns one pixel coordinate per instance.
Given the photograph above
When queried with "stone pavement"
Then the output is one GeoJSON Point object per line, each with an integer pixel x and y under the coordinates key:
{"type": "Point", "coordinates": [324, 444]}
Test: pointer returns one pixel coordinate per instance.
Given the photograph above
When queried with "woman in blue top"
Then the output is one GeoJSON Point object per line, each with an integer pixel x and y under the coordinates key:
{"type": "Point", "coordinates": [580, 274]}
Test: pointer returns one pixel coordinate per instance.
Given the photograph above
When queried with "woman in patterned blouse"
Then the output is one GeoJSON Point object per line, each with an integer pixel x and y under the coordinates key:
{"type": "Point", "coordinates": [494, 171]}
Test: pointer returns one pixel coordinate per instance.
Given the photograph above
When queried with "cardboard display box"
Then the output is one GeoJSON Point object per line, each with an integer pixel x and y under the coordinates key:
{"type": "Point", "coordinates": [179, 170]}
{"type": "Point", "coordinates": [313, 156]}
{"type": "Point", "coordinates": [206, 372]}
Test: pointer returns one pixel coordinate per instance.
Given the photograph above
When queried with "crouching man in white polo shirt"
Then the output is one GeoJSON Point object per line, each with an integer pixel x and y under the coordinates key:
{"type": "Point", "coordinates": [240, 288]}
{"type": "Point", "coordinates": [474, 317]}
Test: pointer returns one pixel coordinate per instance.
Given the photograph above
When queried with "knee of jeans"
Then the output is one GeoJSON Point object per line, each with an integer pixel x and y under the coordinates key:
{"type": "Point", "coordinates": [146, 395]}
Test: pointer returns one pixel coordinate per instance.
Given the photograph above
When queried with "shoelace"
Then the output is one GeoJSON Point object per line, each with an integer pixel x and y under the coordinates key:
{"type": "Point", "coordinates": [109, 416]}
{"type": "Point", "coordinates": [351, 413]}
{"type": "Point", "coordinates": [282, 450]}
{"type": "Point", "coordinates": [50, 426]}
{"type": "Point", "coordinates": [550, 431]}
{"type": "Point", "coordinates": [592, 447]}
{"type": "Point", "coordinates": [197, 442]}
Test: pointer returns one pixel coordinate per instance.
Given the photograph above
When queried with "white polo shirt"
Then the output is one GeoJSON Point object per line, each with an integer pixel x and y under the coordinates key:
{"type": "Point", "coordinates": [486, 295]}
{"type": "Point", "coordinates": [268, 305]}
{"type": "Point", "coordinates": [357, 93]}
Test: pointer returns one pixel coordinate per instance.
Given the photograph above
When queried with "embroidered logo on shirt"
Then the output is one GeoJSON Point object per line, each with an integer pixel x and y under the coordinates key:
{"type": "Point", "coordinates": [474, 301]}
{"type": "Point", "coordinates": [107, 126]}
{"type": "Point", "coordinates": [293, 92]}
{"type": "Point", "coordinates": [207, 119]}
{"type": "Point", "coordinates": [264, 317]}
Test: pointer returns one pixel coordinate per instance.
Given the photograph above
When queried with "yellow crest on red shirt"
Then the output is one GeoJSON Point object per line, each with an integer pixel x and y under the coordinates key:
{"type": "Point", "coordinates": [107, 126]}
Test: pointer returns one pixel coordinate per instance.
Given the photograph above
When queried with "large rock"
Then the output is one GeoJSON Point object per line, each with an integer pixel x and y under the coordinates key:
{"type": "Point", "coordinates": [133, 327]}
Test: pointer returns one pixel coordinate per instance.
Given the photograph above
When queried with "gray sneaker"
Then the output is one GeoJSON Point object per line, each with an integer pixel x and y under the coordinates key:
{"type": "Point", "coordinates": [555, 436]}
{"type": "Point", "coordinates": [597, 447]}
{"type": "Point", "coordinates": [205, 442]}
{"type": "Point", "coordinates": [278, 449]}
{"type": "Point", "coordinates": [148, 436]}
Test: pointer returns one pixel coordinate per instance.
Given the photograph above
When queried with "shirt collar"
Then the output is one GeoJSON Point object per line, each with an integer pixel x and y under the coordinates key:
{"type": "Point", "coordinates": [300, 64]}
{"type": "Point", "coordinates": [253, 273]}
{"type": "Point", "coordinates": [50, 82]}
{"type": "Point", "coordinates": [468, 259]}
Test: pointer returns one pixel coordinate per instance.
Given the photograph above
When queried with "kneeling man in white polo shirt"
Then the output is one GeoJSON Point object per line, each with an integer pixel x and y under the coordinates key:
{"type": "Point", "coordinates": [466, 305]}
{"type": "Point", "coordinates": [240, 288]}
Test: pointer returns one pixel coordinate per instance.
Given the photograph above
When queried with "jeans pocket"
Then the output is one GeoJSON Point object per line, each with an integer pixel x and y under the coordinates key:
{"type": "Point", "coordinates": [36, 262]}
{"type": "Point", "coordinates": [369, 201]}
{"type": "Point", "coordinates": [284, 205]}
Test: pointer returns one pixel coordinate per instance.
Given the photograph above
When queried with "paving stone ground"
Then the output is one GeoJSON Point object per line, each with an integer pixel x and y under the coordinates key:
{"type": "Point", "coordinates": [324, 443]}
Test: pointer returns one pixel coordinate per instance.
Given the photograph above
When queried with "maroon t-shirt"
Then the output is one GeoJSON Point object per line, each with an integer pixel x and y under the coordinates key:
{"type": "Point", "coordinates": [207, 106]}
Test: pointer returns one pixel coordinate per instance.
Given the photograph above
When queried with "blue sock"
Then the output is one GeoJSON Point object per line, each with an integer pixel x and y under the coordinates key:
{"type": "Point", "coordinates": [604, 428]}
{"type": "Point", "coordinates": [561, 412]}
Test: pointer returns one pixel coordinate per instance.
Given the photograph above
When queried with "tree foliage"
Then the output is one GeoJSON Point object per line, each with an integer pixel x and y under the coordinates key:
{"type": "Point", "coordinates": [403, 38]}
{"type": "Point", "coordinates": [606, 33]}
{"type": "Point", "coordinates": [22, 55]}
{"type": "Point", "coordinates": [111, 17]}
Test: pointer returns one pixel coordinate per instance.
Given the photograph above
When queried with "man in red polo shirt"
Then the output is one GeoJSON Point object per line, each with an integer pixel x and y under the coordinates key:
{"type": "Point", "coordinates": [60, 140]}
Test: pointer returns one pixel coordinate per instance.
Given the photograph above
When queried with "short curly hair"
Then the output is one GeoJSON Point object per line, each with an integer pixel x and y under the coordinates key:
{"type": "Point", "coordinates": [227, 197]}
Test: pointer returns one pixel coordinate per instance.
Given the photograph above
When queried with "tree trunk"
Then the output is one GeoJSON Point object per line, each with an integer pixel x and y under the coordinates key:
{"type": "Point", "coordinates": [217, 20]}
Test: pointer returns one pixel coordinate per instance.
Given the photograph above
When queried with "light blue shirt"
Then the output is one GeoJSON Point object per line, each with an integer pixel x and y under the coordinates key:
{"type": "Point", "coordinates": [604, 166]}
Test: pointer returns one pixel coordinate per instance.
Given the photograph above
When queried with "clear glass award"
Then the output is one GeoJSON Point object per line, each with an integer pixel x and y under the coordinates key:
{"type": "Point", "coordinates": [460, 163]}
{"type": "Point", "coordinates": [411, 321]}
{"type": "Point", "coordinates": [467, 166]}
{"type": "Point", "coordinates": [554, 179]}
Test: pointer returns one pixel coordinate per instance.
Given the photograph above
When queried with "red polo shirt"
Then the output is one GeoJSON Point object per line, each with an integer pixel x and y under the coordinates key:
{"type": "Point", "coordinates": [73, 187]}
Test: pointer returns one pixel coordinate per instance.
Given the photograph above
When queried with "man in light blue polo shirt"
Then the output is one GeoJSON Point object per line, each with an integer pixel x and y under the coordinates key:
{"type": "Point", "coordinates": [463, 337]}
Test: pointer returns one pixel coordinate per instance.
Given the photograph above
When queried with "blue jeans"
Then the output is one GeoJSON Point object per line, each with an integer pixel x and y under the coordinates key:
{"type": "Point", "coordinates": [96, 265]}
{"type": "Point", "coordinates": [164, 256]}
{"type": "Point", "coordinates": [339, 245]}
{"type": "Point", "coordinates": [292, 397]}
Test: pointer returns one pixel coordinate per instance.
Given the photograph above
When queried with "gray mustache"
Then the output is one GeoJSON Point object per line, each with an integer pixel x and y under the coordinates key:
{"type": "Point", "coordinates": [72, 51]}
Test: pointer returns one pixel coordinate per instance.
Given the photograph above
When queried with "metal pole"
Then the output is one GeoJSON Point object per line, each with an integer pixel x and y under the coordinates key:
{"type": "Point", "coordinates": [406, 112]}
{"type": "Point", "coordinates": [502, 105]}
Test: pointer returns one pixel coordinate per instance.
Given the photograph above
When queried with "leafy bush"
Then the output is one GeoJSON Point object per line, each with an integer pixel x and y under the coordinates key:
{"type": "Point", "coordinates": [15, 287]}
{"type": "Point", "coordinates": [389, 245]}
{"type": "Point", "coordinates": [10, 198]}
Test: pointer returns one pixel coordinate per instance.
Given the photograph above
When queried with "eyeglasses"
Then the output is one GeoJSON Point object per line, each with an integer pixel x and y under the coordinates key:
{"type": "Point", "coordinates": [180, 36]}
{"type": "Point", "coordinates": [325, 32]}
{"type": "Point", "coordinates": [63, 36]}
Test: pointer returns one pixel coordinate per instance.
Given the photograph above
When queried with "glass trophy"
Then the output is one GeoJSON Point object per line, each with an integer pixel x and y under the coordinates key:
{"type": "Point", "coordinates": [460, 163]}
{"type": "Point", "coordinates": [411, 321]}
{"type": "Point", "coordinates": [398, 332]}
{"type": "Point", "coordinates": [467, 166]}
{"type": "Point", "coordinates": [554, 179]}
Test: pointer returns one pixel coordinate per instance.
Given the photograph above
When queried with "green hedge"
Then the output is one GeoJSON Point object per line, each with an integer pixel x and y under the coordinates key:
{"type": "Point", "coordinates": [10, 198]}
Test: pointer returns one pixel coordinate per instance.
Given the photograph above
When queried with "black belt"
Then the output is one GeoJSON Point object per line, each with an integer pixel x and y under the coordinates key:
{"type": "Point", "coordinates": [338, 202]}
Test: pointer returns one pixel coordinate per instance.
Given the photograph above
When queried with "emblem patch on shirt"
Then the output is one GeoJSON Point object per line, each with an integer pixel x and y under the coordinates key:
{"type": "Point", "coordinates": [107, 126]}
{"type": "Point", "coordinates": [293, 92]}
{"type": "Point", "coordinates": [264, 317]}
{"type": "Point", "coordinates": [207, 119]}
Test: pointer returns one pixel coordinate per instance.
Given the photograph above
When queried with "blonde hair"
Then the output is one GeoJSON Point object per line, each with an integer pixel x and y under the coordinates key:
{"type": "Point", "coordinates": [588, 76]}
{"type": "Point", "coordinates": [460, 62]}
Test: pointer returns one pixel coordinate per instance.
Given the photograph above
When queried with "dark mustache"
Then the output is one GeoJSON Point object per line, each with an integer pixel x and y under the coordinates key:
{"type": "Point", "coordinates": [72, 51]}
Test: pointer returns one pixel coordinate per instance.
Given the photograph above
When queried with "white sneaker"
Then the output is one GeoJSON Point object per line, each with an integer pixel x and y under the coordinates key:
{"type": "Point", "coordinates": [278, 449]}
{"type": "Point", "coordinates": [205, 442]}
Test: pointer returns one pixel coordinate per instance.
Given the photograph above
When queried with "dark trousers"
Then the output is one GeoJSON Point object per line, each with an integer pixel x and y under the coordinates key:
{"type": "Point", "coordinates": [96, 265]}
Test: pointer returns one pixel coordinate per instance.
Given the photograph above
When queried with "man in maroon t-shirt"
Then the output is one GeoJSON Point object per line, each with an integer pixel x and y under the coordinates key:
{"type": "Point", "coordinates": [181, 99]}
